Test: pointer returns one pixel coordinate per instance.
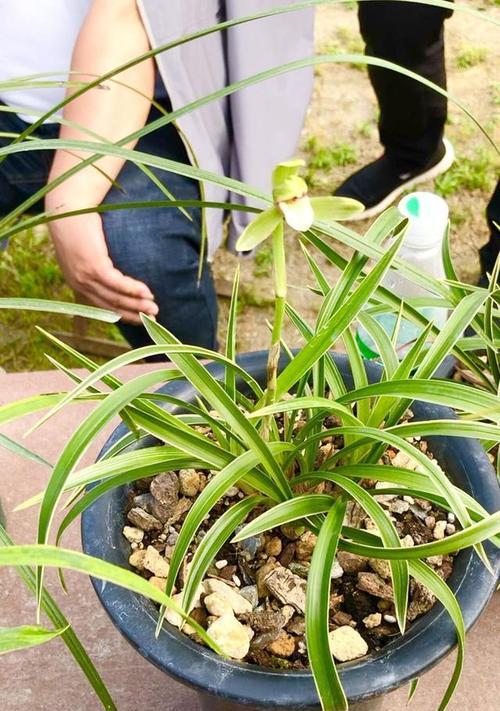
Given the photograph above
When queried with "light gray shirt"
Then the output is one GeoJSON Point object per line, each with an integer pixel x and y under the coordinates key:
{"type": "Point", "coordinates": [245, 135]}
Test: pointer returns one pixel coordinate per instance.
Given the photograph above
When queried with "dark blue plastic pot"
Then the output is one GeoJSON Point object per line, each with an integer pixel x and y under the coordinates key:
{"type": "Point", "coordinates": [225, 685]}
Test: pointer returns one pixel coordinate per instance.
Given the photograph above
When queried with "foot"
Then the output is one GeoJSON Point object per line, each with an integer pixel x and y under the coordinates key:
{"type": "Point", "coordinates": [378, 184]}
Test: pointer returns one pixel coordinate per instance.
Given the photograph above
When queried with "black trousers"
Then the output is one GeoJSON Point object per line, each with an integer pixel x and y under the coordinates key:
{"type": "Point", "coordinates": [412, 116]}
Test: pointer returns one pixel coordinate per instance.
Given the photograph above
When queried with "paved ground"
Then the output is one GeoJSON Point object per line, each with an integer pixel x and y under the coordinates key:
{"type": "Point", "coordinates": [45, 678]}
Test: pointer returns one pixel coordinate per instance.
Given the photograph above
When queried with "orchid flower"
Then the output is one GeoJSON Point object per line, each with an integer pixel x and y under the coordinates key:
{"type": "Point", "coordinates": [293, 206]}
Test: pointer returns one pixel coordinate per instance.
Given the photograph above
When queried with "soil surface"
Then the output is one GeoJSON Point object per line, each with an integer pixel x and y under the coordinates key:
{"type": "Point", "coordinates": [252, 599]}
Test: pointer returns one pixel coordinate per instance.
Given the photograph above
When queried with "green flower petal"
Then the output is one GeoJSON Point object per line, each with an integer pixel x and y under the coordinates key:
{"type": "Point", "coordinates": [259, 229]}
{"type": "Point", "coordinates": [335, 208]}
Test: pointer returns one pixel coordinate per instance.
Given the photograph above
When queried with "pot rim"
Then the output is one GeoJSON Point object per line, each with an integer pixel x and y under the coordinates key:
{"type": "Point", "coordinates": [427, 641]}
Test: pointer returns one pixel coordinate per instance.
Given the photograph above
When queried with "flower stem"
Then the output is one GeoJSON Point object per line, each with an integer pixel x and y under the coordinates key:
{"type": "Point", "coordinates": [280, 290]}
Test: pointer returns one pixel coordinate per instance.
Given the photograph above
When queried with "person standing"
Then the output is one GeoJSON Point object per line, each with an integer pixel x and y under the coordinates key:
{"type": "Point", "coordinates": [412, 116]}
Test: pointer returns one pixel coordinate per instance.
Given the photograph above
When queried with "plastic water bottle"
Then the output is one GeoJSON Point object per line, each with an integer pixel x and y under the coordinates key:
{"type": "Point", "coordinates": [422, 247]}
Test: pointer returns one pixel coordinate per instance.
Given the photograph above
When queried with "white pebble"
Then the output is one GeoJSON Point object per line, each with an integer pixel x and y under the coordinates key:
{"type": "Point", "coordinates": [439, 529]}
{"type": "Point", "coordinates": [409, 499]}
{"type": "Point", "coordinates": [236, 581]}
{"type": "Point", "coordinates": [451, 517]}
{"type": "Point", "coordinates": [133, 534]}
{"type": "Point", "coordinates": [347, 644]}
{"type": "Point", "coordinates": [337, 570]}
{"type": "Point", "coordinates": [219, 564]}
{"type": "Point", "coordinates": [390, 619]}
{"type": "Point", "coordinates": [450, 529]}
{"type": "Point", "coordinates": [372, 620]}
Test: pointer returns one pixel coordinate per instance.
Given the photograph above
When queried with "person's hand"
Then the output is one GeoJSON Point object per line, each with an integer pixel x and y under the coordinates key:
{"type": "Point", "coordinates": [83, 257]}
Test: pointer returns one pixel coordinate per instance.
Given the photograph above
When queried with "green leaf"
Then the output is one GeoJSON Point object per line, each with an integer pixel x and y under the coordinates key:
{"type": "Point", "coordinates": [437, 476]}
{"type": "Point", "coordinates": [80, 441]}
{"type": "Point", "coordinates": [447, 428]}
{"type": "Point", "coordinates": [412, 481]}
{"type": "Point", "coordinates": [68, 636]}
{"type": "Point", "coordinates": [383, 343]}
{"type": "Point", "coordinates": [412, 689]}
{"type": "Point", "coordinates": [303, 403]}
{"type": "Point", "coordinates": [59, 307]}
{"type": "Point", "coordinates": [424, 574]}
{"type": "Point", "coordinates": [358, 370]}
{"type": "Point", "coordinates": [146, 462]}
{"type": "Point", "coordinates": [103, 372]}
{"type": "Point", "coordinates": [470, 536]}
{"type": "Point", "coordinates": [259, 229]}
{"type": "Point", "coordinates": [230, 380]}
{"type": "Point", "coordinates": [323, 668]}
{"type": "Point", "coordinates": [323, 340]}
{"type": "Point", "coordinates": [389, 536]}
{"type": "Point", "coordinates": [215, 394]}
{"type": "Point", "coordinates": [20, 408]}
{"type": "Point", "coordinates": [15, 638]}
{"type": "Point", "coordinates": [45, 555]}
{"type": "Point", "coordinates": [238, 469]}
{"type": "Point", "coordinates": [296, 508]}
{"type": "Point", "coordinates": [213, 541]}
{"type": "Point", "coordinates": [22, 451]}
{"type": "Point", "coordinates": [462, 315]}
{"type": "Point", "coordinates": [335, 208]}
{"type": "Point", "coordinates": [121, 477]}
{"type": "Point", "coordinates": [332, 374]}
{"type": "Point", "coordinates": [441, 392]}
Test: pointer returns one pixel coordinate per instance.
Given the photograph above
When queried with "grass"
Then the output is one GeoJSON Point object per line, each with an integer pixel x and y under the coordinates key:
{"type": "Point", "coordinates": [263, 262]}
{"type": "Point", "coordinates": [347, 42]}
{"type": "Point", "coordinates": [495, 93]}
{"type": "Point", "coordinates": [323, 159]}
{"type": "Point", "coordinates": [470, 56]}
{"type": "Point", "coordinates": [474, 173]}
{"type": "Point", "coordinates": [28, 268]}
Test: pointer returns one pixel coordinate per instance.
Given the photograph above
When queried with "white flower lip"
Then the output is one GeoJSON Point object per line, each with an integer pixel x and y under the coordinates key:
{"type": "Point", "coordinates": [298, 213]}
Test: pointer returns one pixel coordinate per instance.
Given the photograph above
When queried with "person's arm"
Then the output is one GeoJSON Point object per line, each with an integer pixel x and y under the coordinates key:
{"type": "Point", "coordinates": [111, 35]}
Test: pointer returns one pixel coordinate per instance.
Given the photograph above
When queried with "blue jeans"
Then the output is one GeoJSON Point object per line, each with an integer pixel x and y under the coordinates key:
{"type": "Point", "coordinates": [158, 246]}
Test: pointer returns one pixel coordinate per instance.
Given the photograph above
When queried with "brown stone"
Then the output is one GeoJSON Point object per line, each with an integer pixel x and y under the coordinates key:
{"type": "Point", "coordinates": [373, 584]}
{"type": "Point", "coordinates": [189, 482]}
{"type": "Point", "coordinates": [421, 600]}
{"type": "Point", "coordinates": [297, 626]}
{"type": "Point", "coordinates": [143, 520]}
{"type": "Point", "coordinates": [352, 563]}
{"type": "Point", "coordinates": [381, 567]}
{"type": "Point", "coordinates": [286, 587]}
{"type": "Point", "coordinates": [165, 488]}
{"type": "Point", "coordinates": [262, 589]}
{"type": "Point", "coordinates": [305, 546]}
{"type": "Point", "coordinates": [290, 532]}
{"type": "Point", "coordinates": [178, 510]}
{"type": "Point", "coordinates": [283, 646]}
{"type": "Point", "coordinates": [342, 618]}
{"type": "Point", "coordinates": [274, 546]}
{"type": "Point", "coordinates": [265, 620]}
{"type": "Point", "coordinates": [260, 641]}
{"type": "Point", "coordinates": [288, 555]}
